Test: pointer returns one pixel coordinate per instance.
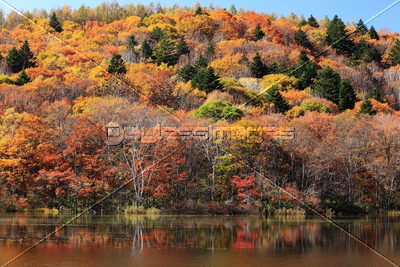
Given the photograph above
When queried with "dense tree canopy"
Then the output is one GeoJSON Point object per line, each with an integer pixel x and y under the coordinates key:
{"type": "Point", "coordinates": [310, 104]}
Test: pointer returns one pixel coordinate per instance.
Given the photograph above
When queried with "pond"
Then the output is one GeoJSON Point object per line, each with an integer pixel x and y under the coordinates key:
{"type": "Point", "coordinates": [158, 240]}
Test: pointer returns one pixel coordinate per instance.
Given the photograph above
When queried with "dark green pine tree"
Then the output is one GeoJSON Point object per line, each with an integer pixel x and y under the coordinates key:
{"type": "Point", "coordinates": [54, 23]}
{"type": "Point", "coordinates": [394, 54]}
{"type": "Point", "coordinates": [347, 96]}
{"type": "Point", "coordinates": [206, 80]}
{"type": "Point", "coordinates": [273, 96]}
{"type": "Point", "coordinates": [327, 84]}
{"type": "Point", "coordinates": [23, 78]}
{"type": "Point", "coordinates": [257, 67]}
{"type": "Point", "coordinates": [201, 62]}
{"type": "Point", "coordinates": [374, 94]}
{"type": "Point", "coordinates": [258, 32]}
{"type": "Point", "coordinates": [27, 57]}
{"type": "Point", "coordinates": [157, 34]}
{"type": "Point", "coordinates": [187, 72]}
{"type": "Point", "coordinates": [182, 48]}
{"type": "Point", "coordinates": [366, 108]}
{"type": "Point", "coordinates": [312, 22]}
{"type": "Point", "coordinates": [307, 71]}
{"type": "Point", "coordinates": [14, 60]}
{"type": "Point", "coordinates": [338, 37]}
{"type": "Point", "coordinates": [211, 49]}
{"type": "Point", "coordinates": [302, 23]}
{"type": "Point", "coordinates": [165, 52]}
{"type": "Point", "coordinates": [373, 34]}
{"type": "Point", "coordinates": [361, 27]}
{"type": "Point", "coordinates": [301, 38]}
{"type": "Point", "coordinates": [131, 42]}
{"type": "Point", "coordinates": [117, 65]}
{"type": "Point", "coordinates": [146, 49]}
{"type": "Point", "coordinates": [372, 54]}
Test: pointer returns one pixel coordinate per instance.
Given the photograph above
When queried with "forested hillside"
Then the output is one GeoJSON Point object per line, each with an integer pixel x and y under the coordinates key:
{"type": "Point", "coordinates": [68, 74]}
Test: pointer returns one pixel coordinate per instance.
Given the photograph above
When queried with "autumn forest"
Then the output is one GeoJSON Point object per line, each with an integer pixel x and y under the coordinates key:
{"type": "Point", "coordinates": [72, 80]}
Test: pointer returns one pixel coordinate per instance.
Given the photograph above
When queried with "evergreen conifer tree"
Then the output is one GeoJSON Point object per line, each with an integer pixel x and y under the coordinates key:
{"type": "Point", "coordinates": [373, 34]}
{"type": "Point", "coordinates": [366, 108]}
{"type": "Point", "coordinates": [27, 57]}
{"type": "Point", "coordinates": [157, 34]}
{"type": "Point", "coordinates": [14, 60]}
{"type": "Point", "coordinates": [201, 62]}
{"type": "Point", "coordinates": [131, 42]}
{"type": "Point", "coordinates": [117, 65]}
{"type": "Point", "coordinates": [327, 84]}
{"type": "Point", "coordinates": [306, 72]}
{"type": "Point", "coordinates": [258, 32]}
{"type": "Point", "coordinates": [23, 78]}
{"type": "Point", "coordinates": [374, 94]}
{"type": "Point", "coordinates": [55, 24]}
{"type": "Point", "coordinates": [338, 37]}
{"type": "Point", "coordinates": [361, 28]}
{"type": "Point", "coordinates": [258, 68]}
{"type": "Point", "coordinates": [394, 53]}
{"type": "Point", "coordinates": [165, 52]}
{"type": "Point", "coordinates": [273, 96]}
{"type": "Point", "coordinates": [182, 48]}
{"type": "Point", "coordinates": [301, 38]}
{"type": "Point", "coordinates": [206, 80]}
{"type": "Point", "coordinates": [347, 96]}
{"type": "Point", "coordinates": [312, 22]}
{"type": "Point", "coordinates": [146, 49]}
{"type": "Point", "coordinates": [187, 72]}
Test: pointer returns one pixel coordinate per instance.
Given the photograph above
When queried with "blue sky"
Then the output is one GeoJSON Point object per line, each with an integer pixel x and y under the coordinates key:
{"type": "Point", "coordinates": [350, 10]}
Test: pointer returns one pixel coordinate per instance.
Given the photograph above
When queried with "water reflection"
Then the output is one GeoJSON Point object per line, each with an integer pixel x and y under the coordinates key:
{"type": "Point", "coordinates": [277, 236]}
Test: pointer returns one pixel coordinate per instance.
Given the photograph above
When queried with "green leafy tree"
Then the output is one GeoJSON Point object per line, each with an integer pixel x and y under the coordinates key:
{"type": "Point", "coordinates": [307, 71]}
{"type": "Point", "coordinates": [366, 108]}
{"type": "Point", "coordinates": [338, 37]}
{"type": "Point", "coordinates": [117, 65]}
{"type": "Point", "coordinates": [257, 67]}
{"type": "Point", "coordinates": [182, 48]}
{"type": "Point", "coordinates": [146, 49]}
{"type": "Point", "coordinates": [361, 27]}
{"type": "Point", "coordinates": [187, 72]}
{"type": "Point", "coordinates": [258, 32]}
{"type": "Point", "coordinates": [327, 84]}
{"type": "Point", "coordinates": [55, 24]}
{"type": "Point", "coordinates": [219, 110]}
{"type": "Point", "coordinates": [206, 80]}
{"type": "Point", "coordinates": [165, 52]}
{"type": "Point", "coordinates": [347, 96]}
{"type": "Point", "coordinates": [14, 60]}
{"type": "Point", "coordinates": [312, 22]}
{"type": "Point", "coordinates": [394, 54]}
{"type": "Point", "coordinates": [373, 34]}
{"type": "Point", "coordinates": [23, 78]}
{"type": "Point", "coordinates": [301, 38]}
{"type": "Point", "coordinates": [273, 96]}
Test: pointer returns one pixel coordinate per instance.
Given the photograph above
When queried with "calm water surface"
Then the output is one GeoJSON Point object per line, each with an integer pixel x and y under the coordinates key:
{"type": "Point", "coordinates": [122, 240]}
